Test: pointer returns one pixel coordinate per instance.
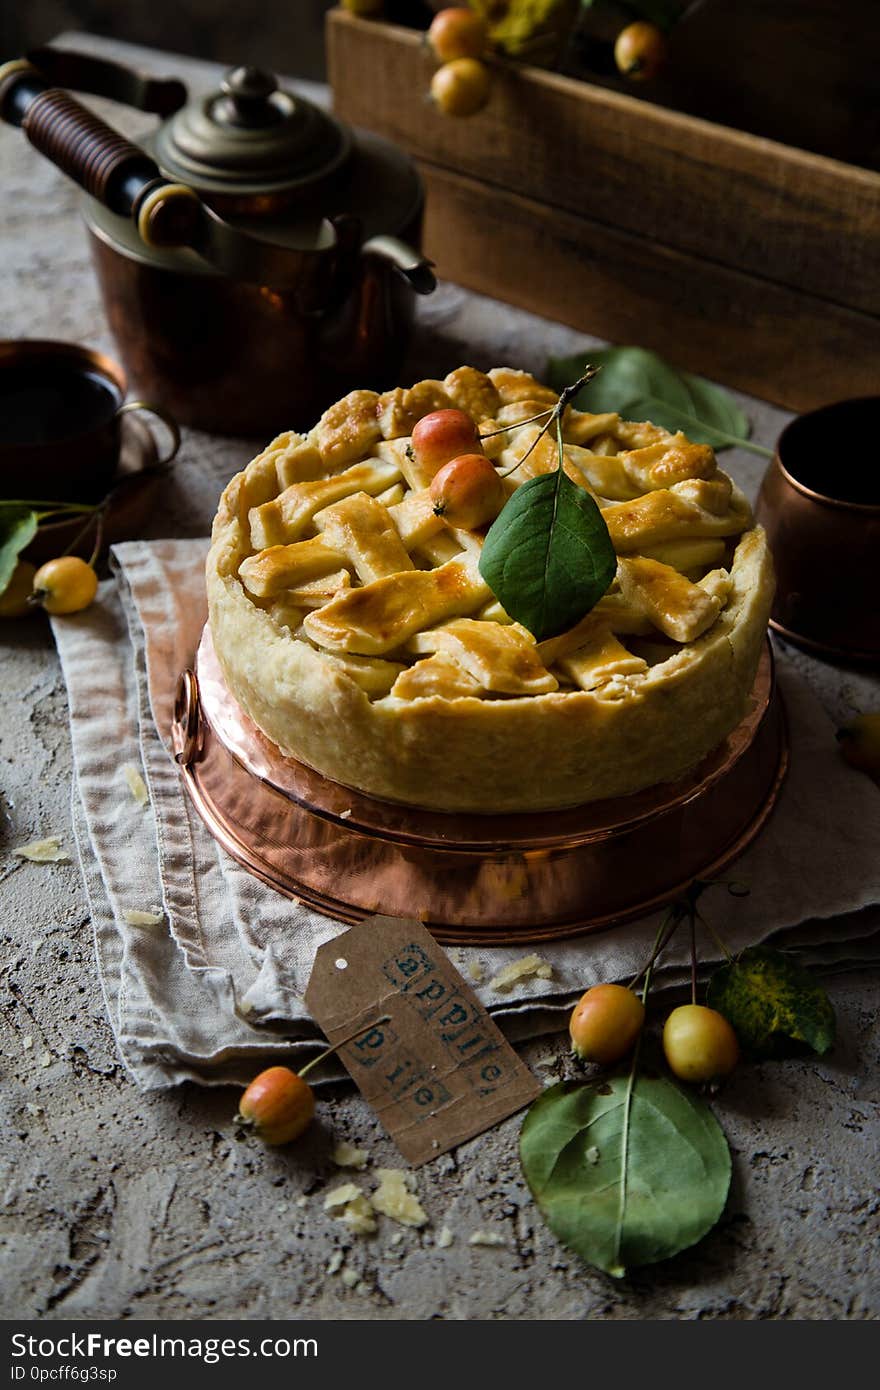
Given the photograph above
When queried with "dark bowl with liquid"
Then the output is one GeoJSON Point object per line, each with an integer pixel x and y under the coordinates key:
{"type": "Point", "coordinates": [59, 421]}
{"type": "Point", "coordinates": [820, 505]}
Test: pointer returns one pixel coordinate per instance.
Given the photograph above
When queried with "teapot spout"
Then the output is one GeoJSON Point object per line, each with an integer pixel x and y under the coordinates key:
{"type": "Point", "coordinates": [415, 268]}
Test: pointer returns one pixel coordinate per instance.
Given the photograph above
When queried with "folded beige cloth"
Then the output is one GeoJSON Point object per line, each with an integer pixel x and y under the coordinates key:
{"type": "Point", "coordinates": [216, 987]}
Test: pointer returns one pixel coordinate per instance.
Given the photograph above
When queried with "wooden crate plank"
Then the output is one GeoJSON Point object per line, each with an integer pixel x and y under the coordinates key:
{"type": "Point", "coordinates": [801, 219]}
{"type": "Point", "coordinates": [768, 340]}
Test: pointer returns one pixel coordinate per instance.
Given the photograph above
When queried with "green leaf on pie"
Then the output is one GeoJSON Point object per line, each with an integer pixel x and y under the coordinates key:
{"type": "Point", "coordinates": [548, 557]}
{"type": "Point", "coordinates": [771, 1003]}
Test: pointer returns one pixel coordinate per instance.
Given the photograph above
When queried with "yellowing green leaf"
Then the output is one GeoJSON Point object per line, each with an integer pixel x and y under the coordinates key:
{"type": "Point", "coordinates": [772, 1002]}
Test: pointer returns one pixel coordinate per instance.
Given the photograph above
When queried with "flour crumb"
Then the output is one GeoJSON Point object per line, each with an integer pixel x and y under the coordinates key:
{"type": "Point", "coordinates": [46, 1059]}
{"type": "Point", "coordinates": [46, 851]}
{"type": "Point", "coordinates": [347, 1156]}
{"type": "Point", "coordinates": [486, 1238]}
{"type": "Point", "coordinates": [395, 1197]}
{"type": "Point", "coordinates": [136, 784]}
{"type": "Point", "coordinates": [349, 1205]}
{"type": "Point", "coordinates": [136, 917]}
{"type": "Point", "coordinates": [350, 1278]}
{"type": "Point", "coordinates": [520, 970]}
{"type": "Point", "coordinates": [335, 1263]}
{"type": "Point", "coordinates": [345, 815]}
{"type": "Point", "coordinates": [592, 1154]}
{"type": "Point", "coordinates": [27, 1042]}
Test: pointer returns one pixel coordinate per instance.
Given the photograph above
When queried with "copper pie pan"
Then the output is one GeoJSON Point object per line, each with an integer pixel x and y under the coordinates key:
{"type": "Point", "coordinates": [473, 880]}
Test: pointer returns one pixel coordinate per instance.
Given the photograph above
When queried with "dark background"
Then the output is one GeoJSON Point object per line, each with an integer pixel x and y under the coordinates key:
{"type": "Point", "coordinates": [283, 35]}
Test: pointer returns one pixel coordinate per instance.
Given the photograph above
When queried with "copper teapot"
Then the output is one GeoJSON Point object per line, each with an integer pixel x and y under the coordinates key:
{"type": "Point", "coordinates": [257, 258]}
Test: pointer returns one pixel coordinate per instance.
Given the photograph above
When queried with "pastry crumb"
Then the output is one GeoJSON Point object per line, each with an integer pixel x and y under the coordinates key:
{"type": "Point", "coordinates": [136, 917]}
{"type": "Point", "coordinates": [345, 815]}
{"type": "Point", "coordinates": [349, 1205]}
{"type": "Point", "coordinates": [47, 851]}
{"type": "Point", "coordinates": [350, 1277]}
{"type": "Point", "coordinates": [335, 1263]}
{"type": "Point", "coordinates": [136, 784]}
{"type": "Point", "coordinates": [444, 1238]}
{"type": "Point", "coordinates": [348, 1156]}
{"type": "Point", "coordinates": [520, 970]}
{"type": "Point", "coordinates": [592, 1154]}
{"type": "Point", "coordinates": [27, 1042]}
{"type": "Point", "coordinates": [475, 970]}
{"type": "Point", "coordinates": [46, 1059]}
{"type": "Point", "coordinates": [485, 1238]}
{"type": "Point", "coordinates": [395, 1197]}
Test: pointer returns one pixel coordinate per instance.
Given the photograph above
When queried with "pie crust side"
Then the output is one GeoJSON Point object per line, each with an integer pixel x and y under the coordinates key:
{"type": "Point", "coordinates": [463, 753]}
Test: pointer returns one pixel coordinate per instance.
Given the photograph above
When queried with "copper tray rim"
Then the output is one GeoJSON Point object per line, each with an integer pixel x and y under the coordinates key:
{"type": "Point", "coordinates": [659, 799]}
{"type": "Point", "coordinates": [190, 734]}
{"type": "Point", "coordinates": [502, 934]}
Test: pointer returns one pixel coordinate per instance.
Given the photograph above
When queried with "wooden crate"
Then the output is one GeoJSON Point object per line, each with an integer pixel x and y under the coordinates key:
{"type": "Point", "coordinates": [734, 256]}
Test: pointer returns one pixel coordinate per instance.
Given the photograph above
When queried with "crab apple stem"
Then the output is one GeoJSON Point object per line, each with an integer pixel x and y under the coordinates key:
{"type": "Point", "coordinates": [693, 958]}
{"type": "Point", "coordinates": [491, 434]}
{"type": "Point", "coordinates": [328, 1052]}
{"type": "Point", "coordinates": [719, 940]}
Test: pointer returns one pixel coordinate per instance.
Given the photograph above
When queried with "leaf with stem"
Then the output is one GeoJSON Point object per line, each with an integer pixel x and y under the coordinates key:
{"type": "Point", "coordinates": [548, 557]}
{"type": "Point", "coordinates": [639, 385]}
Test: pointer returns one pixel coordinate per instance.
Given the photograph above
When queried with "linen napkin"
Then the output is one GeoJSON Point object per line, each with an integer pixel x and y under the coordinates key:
{"type": "Point", "coordinates": [215, 988]}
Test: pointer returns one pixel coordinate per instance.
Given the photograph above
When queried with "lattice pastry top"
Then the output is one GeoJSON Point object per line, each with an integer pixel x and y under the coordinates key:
{"type": "Point", "coordinates": [354, 626]}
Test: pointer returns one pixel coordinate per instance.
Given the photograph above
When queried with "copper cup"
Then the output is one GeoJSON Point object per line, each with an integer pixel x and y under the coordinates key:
{"type": "Point", "coordinates": [820, 505]}
{"type": "Point", "coordinates": [61, 410]}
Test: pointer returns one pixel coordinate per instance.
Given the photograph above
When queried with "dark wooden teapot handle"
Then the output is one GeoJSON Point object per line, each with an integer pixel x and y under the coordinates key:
{"type": "Point", "coordinates": [109, 167]}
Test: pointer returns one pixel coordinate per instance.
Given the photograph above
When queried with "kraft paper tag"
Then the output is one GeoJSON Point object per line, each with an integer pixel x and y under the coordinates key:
{"type": "Point", "coordinates": [440, 1071]}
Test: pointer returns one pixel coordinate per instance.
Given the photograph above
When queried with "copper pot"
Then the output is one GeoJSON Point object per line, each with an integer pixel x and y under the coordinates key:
{"type": "Point", "coordinates": [256, 257]}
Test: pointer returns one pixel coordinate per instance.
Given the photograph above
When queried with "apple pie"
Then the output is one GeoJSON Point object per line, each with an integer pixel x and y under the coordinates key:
{"type": "Point", "coordinates": [354, 627]}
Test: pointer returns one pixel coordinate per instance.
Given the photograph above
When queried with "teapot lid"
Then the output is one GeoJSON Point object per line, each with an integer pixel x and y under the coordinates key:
{"type": "Point", "coordinates": [250, 138]}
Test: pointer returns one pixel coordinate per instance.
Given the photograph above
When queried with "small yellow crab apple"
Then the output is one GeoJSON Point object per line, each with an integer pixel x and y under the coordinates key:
{"type": "Point", "coordinates": [605, 1023]}
{"type": "Point", "coordinates": [699, 1043]}
{"type": "Point", "coordinates": [461, 88]}
{"type": "Point", "coordinates": [65, 585]}
{"type": "Point", "coordinates": [467, 492]}
{"type": "Point", "coordinates": [14, 600]}
{"type": "Point", "coordinates": [641, 51]}
{"type": "Point", "coordinates": [443, 435]}
{"type": "Point", "coordinates": [457, 32]}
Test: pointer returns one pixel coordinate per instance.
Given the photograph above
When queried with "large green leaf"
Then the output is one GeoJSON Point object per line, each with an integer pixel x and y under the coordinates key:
{"type": "Point", "coordinates": [17, 528]}
{"type": "Point", "coordinates": [639, 385]}
{"type": "Point", "coordinates": [627, 1171]}
{"type": "Point", "coordinates": [772, 1002]}
{"type": "Point", "coordinates": [548, 557]}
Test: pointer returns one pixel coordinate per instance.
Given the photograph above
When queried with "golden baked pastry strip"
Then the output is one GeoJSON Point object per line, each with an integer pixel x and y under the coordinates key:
{"type": "Point", "coordinates": [384, 615]}
{"type": "Point", "coordinates": [285, 518]}
{"type": "Point", "coordinates": [676, 607]}
{"type": "Point", "coordinates": [697, 508]}
{"type": "Point", "coordinates": [502, 659]}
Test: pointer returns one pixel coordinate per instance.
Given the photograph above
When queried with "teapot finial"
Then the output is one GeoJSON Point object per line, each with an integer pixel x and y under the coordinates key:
{"type": "Point", "coordinates": [248, 92]}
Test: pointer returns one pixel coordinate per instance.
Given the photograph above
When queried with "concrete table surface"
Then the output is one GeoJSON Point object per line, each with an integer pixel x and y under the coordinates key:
{"type": "Point", "coordinates": [117, 1204]}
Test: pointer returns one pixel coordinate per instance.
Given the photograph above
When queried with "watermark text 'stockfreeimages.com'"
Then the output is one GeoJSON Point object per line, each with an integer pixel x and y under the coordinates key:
{"type": "Point", "coordinates": [95, 1346]}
